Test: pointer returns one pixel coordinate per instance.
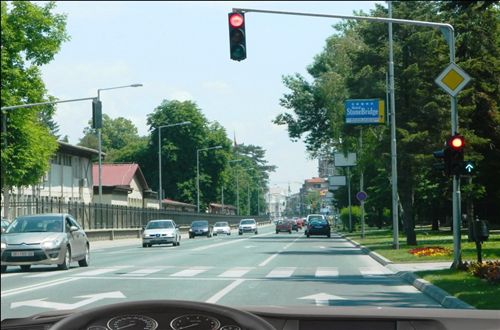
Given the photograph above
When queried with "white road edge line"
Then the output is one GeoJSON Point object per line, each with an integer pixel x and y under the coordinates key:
{"type": "Point", "coordinates": [216, 297]}
{"type": "Point", "coordinates": [36, 286]}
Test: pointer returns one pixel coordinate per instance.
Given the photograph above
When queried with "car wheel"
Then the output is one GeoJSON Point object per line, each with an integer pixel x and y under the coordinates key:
{"type": "Point", "coordinates": [85, 261]}
{"type": "Point", "coordinates": [228, 234]}
{"type": "Point", "coordinates": [256, 232]}
{"type": "Point", "coordinates": [277, 232]}
{"type": "Point", "coordinates": [328, 235]}
{"type": "Point", "coordinates": [4, 269]}
{"type": "Point", "coordinates": [307, 235]}
{"type": "Point", "coordinates": [144, 245]}
{"type": "Point", "coordinates": [25, 268]}
{"type": "Point", "coordinates": [179, 241]}
{"type": "Point", "coordinates": [67, 260]}
{"type": "Point", "coordinates": [240, 233]}
{"type": "Point", "coordinates": [215, 234]}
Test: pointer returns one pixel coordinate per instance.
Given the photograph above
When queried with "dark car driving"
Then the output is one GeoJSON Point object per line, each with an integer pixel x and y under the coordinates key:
{"type": "Point", "coordinates": [284, 225]}
{"type": "Point", "coordinates": [200, 228]}
{"type": "Point", "coordinates": [318, 226]}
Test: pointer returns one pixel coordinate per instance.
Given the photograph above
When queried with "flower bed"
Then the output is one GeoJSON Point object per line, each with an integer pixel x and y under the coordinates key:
{"type": "Point", "coordinates": [489, 270]}
{"type": "Point", "coordinates": [429, 251]}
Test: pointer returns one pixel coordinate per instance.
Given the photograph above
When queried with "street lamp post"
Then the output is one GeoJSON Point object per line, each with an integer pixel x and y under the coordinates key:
{"type": "Point", "coordinates": [237, 186]}
{"type": "Point", "coordinates": [99, 134]}
{"type": "Point", "coordinates": [160, 196]}
{"type": "Point", "coordinates": [198, 173]}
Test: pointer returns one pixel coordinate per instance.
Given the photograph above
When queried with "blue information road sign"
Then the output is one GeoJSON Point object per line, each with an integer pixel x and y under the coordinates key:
{"type": "Point", "coordinates": [364, 111]}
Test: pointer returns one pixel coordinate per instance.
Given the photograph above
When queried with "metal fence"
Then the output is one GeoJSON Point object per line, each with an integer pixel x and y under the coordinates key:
{"type": "Point", "coordinates": [106, 216]}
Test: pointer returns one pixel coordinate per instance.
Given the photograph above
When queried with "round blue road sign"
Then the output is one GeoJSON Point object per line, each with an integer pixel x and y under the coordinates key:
{"type": "Point", "coordinates": [361, 196]}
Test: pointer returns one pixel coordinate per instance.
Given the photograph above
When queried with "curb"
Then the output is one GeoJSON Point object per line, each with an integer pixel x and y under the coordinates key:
{"type": "Point", "coordinates": [429, 289]}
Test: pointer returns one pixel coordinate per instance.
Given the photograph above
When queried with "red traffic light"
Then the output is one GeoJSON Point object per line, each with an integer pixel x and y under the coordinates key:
{"type": "Point", "coordinates": [236, 20]}
{"type": "Point", "coordinates": [456, 142]}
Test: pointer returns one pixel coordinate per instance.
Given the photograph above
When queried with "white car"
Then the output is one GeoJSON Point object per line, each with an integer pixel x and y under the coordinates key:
{"type": "Point", "coordinates": [247, 226]}
{"type": "Point", "coordinates": [221, 228]}
{"type": "Point", "coordinates": [161, 232]}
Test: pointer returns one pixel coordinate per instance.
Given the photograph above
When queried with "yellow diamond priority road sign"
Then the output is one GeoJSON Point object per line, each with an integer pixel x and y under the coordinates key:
{"type": "Point", "coordinates": [452, 79]}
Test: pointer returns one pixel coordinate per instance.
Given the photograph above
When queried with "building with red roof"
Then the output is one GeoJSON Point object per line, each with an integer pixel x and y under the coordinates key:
{"type": "Point", "coordinates": [123, 184]}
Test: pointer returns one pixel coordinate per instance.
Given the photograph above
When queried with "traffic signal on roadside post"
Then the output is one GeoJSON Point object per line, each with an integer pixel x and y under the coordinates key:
{"type": "Point", "coordinates": [237, 37]}
{"type": "Point", "coordinates": [456, 145]}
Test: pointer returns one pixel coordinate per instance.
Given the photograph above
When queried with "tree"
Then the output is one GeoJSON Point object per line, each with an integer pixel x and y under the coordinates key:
{"type": "Point", "coordinates": [30, 37]}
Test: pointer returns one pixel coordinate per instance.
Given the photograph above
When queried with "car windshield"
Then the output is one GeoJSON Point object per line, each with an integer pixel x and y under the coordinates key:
{"type": "Point", "coordinates": [247, 222]}
{"type": "Point", "coordinates": [341, 154]}
{"type": "Point", "coordinates": [36, 224]}
{"type": "Point", "coordinates": [159, 224]}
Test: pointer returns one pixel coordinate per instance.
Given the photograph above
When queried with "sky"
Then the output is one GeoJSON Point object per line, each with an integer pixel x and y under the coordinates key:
{"type": "Point", "coordinates": [180, 50]}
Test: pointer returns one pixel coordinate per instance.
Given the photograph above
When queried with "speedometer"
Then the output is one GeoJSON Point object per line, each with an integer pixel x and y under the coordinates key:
{"type": "Point", "coordinates": [132, 322]}
{"type": "Point", "coordinates": [195, 322]}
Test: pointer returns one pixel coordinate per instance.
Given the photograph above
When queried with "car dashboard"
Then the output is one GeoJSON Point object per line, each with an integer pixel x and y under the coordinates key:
{"type": "Point", "coordinates": [279, 318]}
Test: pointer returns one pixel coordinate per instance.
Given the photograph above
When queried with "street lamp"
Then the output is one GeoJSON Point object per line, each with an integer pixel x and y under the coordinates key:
{"type": "Point", "coordinates": [237, 186]}
{"type": "Point", "coordinates": [99, 134]}
{"type": "Point", "coordinates": [159, 156]}
{"type": "Point", "coordinates": [198, 173]}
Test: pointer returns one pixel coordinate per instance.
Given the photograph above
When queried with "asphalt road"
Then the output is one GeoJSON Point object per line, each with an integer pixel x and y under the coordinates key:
{"type": "Point", "coordinates": [263, 269]}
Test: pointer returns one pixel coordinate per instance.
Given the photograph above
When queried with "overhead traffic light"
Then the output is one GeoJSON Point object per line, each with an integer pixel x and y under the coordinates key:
{"type": "Point", "coordinates": [237, 37]}
{"type": "Point", "coordinates": [456, 145]}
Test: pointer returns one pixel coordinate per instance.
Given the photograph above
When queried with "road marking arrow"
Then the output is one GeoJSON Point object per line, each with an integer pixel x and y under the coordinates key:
{"type": "Point", "coordinates": [62, 306]}
{"type": "Point", "coordinates": [322, 298]}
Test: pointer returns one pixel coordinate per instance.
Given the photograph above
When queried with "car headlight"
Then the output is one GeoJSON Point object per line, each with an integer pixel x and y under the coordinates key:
{"type": "Point", "coordinates": [190, 229]}
{"type": "Point", "coordinates": [4, 246]}
{"type": "Point", "coordinates": [48, 245]}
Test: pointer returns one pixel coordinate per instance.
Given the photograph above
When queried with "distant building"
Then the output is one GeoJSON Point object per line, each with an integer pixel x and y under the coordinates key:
{"type": "Point", "coordinates": [123, 184]}
{"type": "Point", "coordinates": [276, 199]}
{"type": "Point", "coordinates": [69, 177]}
{"type": "Point", "coordinates": [221, 209]}
{"type": "Point", "coordinates": [171, 205]}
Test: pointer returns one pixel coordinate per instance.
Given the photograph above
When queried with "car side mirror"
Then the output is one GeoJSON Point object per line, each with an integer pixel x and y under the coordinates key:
{"type": "Point", "coordinates": [3, 230]}
{"type": "Point", "coordinates": [73, 228]}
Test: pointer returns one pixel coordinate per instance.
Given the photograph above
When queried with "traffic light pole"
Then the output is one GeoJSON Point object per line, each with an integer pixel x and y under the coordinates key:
{"type": "Point", "coordinates": [449, 33]}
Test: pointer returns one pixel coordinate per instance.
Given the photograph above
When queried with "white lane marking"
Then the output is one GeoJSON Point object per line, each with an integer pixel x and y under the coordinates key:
{"type": "Point", "coordinates": [322, 298]}
{"type": "Point", "coordinates": [145, 271]}
{"type": "Point", "coordinates": [193, 271]}
{"type": "Point", "coordinates": [102, 271]}
{"type": "Point", "coordinates": [36, 286]}
{"type": "Point", "coordinates": [41, 303]}
{"type": "Point", "coordinates": [281, 272]}
{"type": "Point", "coordinates": [265, 262]}
{"type": "Point", "coordinates": [236, 272]}
{"type": "Point", "coordinates": [371, 271]}
{"type": "Point", "coordinates": [12, 274]}
{"type": "Point", "coordinates": [216, 297]}
{"type": "Point", "coordinates": [53, 273]}
{"type": "Point", "coordinates": [327, 272]}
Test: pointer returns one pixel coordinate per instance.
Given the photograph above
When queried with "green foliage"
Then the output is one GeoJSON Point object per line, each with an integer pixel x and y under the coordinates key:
{"type": "Point", "coordinates": [355, 216]}
{"type": "Point", "coordinates": [30, 36]}
{"type": "Point", "coordinates": [353, 64]}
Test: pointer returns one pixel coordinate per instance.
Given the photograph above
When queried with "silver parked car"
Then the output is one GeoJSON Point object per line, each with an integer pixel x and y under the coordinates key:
{"type": "Point", "coordinates": [161, 232]}
{"type": "Point", "coordinates": [44, 239]}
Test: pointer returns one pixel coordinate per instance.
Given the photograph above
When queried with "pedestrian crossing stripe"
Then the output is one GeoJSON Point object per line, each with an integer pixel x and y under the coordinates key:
{"type": "Point", "coordinates": [232, 272]}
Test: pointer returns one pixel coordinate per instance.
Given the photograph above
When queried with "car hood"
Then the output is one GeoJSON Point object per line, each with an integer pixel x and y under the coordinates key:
{"type": "Point", "coordinates": [30, 238]}
{"type": "Point", "coordinates": [159, 231]}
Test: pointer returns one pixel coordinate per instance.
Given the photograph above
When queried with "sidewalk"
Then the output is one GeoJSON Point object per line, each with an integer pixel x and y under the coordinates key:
{"type": "Point", "coordinates": [406, 272]}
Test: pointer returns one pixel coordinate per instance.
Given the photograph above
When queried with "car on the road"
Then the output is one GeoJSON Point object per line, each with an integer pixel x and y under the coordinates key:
{"type": "Point", "coordinates": [295, 226]}
{"type": "Point", "coordinates": [44, 239]}
{"type": "Point", "coordinates": [300, 223]}
{"type": "Point", "coordinates": [200, 228]}
{"type": "Point", "coordinates": [283, 225]}
{"type": "Point", "coordinates": [317, 225]}
{"type": "Point", "coordinates": [247, 226]}
{"type": "Point", "coordinates": [221, 227]}
{"type": "Point", "coordinates": [161, 231]}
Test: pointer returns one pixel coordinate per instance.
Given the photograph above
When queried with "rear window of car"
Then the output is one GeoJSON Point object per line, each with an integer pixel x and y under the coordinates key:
{"type": "Point", "coordinates": [221, 224]}
{"type": "Point", "coordinates": [199, 223]}
{"type": "Point", "coordinates": [247, 222]}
